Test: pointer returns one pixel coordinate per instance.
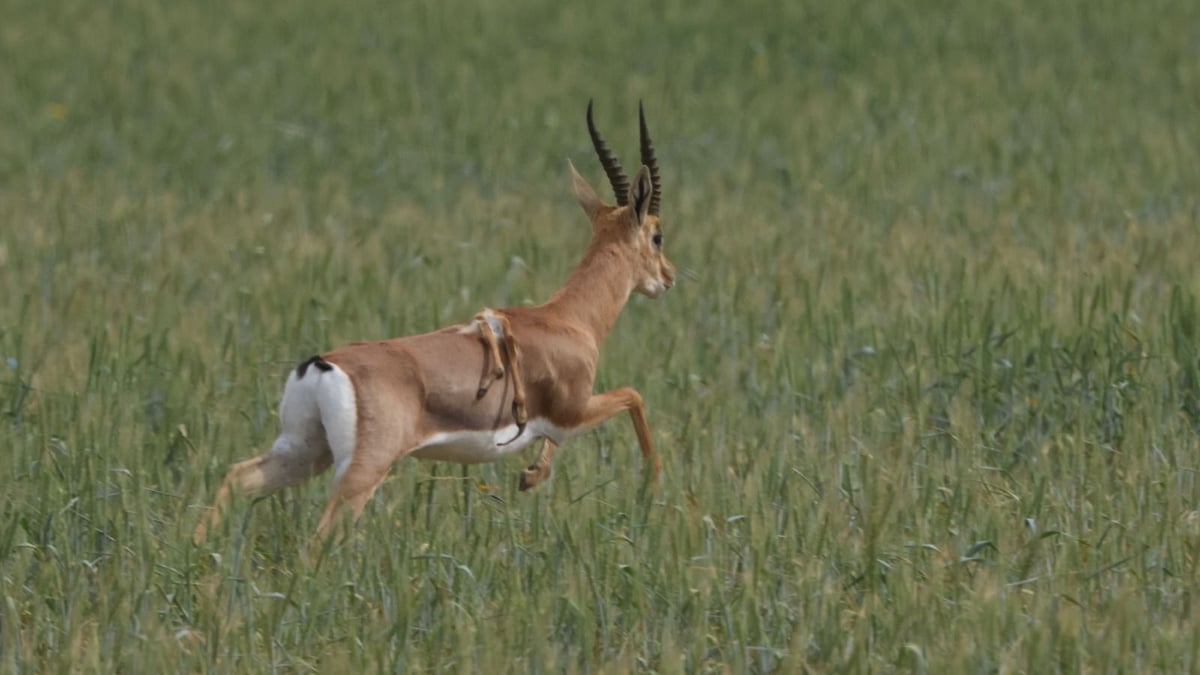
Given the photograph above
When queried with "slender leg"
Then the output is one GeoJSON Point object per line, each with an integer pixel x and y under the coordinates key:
{"type": "Point", "coordinates": [491, 353]}
{"type": "Point", "coordinates": [601, 407]}
{"type": "Point", "coordinates": [288, 463]}
{"type": "Point", "coordinates": [540, 470]}
{"type": "Point", "coordinates": [354, 489]}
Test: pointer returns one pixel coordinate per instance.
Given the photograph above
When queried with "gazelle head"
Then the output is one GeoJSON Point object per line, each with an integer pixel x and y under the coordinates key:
{"type": "Point", "coordinates": [632, 226]}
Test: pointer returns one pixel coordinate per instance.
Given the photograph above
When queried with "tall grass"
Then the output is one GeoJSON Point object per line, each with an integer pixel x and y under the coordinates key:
{"type": "Point", "coordinates": [928, 392]}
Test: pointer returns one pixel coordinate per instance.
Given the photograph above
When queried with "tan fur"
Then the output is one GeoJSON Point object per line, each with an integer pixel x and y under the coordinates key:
{"type": "Point", "coordinates": [409, 388]}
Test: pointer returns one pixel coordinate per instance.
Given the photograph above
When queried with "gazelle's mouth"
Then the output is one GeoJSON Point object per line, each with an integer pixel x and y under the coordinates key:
{"type": "Point", "coordinates": [657, 290]}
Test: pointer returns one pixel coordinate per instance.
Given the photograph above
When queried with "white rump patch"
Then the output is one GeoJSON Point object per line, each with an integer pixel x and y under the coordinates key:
{"type": "Point", "coordinates": [322, 399]}
{"type": "Point", "coordinates": [480, 447]}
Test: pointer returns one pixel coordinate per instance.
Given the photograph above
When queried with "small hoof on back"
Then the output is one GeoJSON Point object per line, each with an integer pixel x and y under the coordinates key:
{"type": "Point", "coordinates": [520, 430]}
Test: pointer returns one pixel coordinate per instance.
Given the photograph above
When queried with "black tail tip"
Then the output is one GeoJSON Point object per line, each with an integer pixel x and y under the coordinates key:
{"type": "Point", "coordinates": [321, 364]}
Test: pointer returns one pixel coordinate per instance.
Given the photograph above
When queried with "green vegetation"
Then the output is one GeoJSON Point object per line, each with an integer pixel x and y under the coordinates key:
{"type": "Point", "coordinates": [927, 393]}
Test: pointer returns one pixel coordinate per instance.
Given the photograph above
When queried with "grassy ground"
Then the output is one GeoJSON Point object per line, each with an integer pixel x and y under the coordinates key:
{"type": "Point", "coordinates": [928, 391]}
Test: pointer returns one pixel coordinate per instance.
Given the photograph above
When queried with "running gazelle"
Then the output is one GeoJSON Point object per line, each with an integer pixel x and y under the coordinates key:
{"type": "Point", "coordinates": [363, 406]}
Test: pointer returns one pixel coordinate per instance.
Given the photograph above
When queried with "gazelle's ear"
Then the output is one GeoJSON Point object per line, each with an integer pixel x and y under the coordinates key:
{"type": "Point", "coordinates": [584, 193]}
{"type": "Point", "coordinates": [640, 193]}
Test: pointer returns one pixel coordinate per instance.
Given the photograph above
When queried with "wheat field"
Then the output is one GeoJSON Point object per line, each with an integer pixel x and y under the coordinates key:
{"type": "Point", "coordinates": [927, 391]}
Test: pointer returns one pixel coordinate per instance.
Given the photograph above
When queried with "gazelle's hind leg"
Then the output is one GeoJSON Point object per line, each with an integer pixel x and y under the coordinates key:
{"type": "Point", "coordinates": [353, 489]}
{"type": "Point", "coordinates": [363, 453]}
{"type": "Point", "coordinates": [285, 465]}
{"type": "Point", "coordinates": [300, 452]}
{"type": "Point", "coordinates": [358, 473]}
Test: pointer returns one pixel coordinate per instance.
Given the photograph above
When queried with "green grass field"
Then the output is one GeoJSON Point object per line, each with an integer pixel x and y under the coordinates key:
{"type": "Point", "coordinates": [927, 391]}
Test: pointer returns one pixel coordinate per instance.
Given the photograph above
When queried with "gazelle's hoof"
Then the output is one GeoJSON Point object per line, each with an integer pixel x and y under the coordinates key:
{"type": "Point", "coordinates": [534, 475]}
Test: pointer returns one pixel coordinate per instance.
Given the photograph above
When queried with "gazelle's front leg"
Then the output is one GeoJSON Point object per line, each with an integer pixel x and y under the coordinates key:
{"type": "Point", "coordinates": [599, 408]}
{"type": "Point", "coordinates": [537, 473]}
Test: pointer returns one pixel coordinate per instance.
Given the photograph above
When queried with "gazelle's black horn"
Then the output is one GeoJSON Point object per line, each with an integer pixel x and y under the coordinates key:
{"type": "Point", "coordinates": [620, 184]}
{"type": "Point", "coordinates": [649, 161]}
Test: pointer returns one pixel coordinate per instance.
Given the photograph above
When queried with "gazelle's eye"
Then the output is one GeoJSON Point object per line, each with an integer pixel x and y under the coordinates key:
{"type": "Point", "coordinates": [657, 239]}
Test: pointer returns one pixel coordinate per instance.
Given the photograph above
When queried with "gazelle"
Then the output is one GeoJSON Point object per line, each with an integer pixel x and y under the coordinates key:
{"type": "Point", "coordinates": [363, 406]}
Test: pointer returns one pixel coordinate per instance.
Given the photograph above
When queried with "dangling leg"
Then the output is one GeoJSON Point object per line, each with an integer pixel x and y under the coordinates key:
{"type": "Point", "coordinates": [519, 412]}
{"type": "Point", "coordinates": [491, 352]}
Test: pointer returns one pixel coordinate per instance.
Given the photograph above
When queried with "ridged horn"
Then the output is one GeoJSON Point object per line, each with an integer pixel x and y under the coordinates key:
{"type": "Point", "coordinates": [620, 184]}
{"type": "Point", "coordinates": [649, 160]}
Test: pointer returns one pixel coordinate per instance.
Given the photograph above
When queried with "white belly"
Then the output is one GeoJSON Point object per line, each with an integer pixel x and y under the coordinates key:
{"type": "Point", "coordinates": [479, 447]}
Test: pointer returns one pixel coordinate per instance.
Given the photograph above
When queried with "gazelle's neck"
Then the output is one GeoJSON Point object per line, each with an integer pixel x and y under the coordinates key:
{"type": "Point", "coordinates": [596, 291]}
